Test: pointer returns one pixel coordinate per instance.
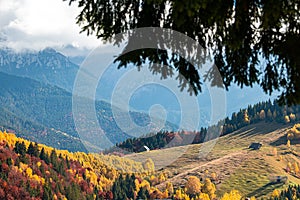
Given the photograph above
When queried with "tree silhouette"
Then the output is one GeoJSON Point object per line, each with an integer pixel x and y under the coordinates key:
{"type": "Point", "coordinates": [251, 41]}
{"type": "Point", "coordinates": [33, 149]}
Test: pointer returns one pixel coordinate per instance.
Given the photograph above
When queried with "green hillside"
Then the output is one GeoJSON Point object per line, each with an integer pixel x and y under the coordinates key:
{"type": "Point", "coordinates": [234, 164]}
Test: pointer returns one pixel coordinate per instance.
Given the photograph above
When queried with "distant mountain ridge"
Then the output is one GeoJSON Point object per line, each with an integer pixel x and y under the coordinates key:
{"type": "Point", "coordinates": [29, 104]}
{"type": "Point", "coordinates": [52, 67]}
{"type": "Point", "coordinates": [47, 66]}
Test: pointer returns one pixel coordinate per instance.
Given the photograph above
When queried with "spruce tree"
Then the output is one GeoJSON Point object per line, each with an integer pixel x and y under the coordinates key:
{"type": "Point", "coordinates": [44, 156]}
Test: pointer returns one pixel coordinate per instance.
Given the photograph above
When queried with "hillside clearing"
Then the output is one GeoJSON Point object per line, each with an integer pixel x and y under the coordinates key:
{"type": "Point", "coordinates": [236, 166]}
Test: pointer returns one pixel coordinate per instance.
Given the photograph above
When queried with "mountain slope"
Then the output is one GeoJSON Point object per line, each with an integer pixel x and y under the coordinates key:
{"type": "Point", "coordinates": [38, 132]}
{"type": "Point", "coordinates": [47, 66]}
{"type": "Point", "coordinates": [235, 166]}
{"type": "Point", "coordinates": [48, 108]}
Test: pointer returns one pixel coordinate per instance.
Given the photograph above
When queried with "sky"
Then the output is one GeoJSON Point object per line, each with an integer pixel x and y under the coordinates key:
{"type": "Point", "coordinates": [36, 24]}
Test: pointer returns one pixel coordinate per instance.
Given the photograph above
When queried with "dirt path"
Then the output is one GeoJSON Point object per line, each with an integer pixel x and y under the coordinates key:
{"type": "Point", "coordinates": [227, 163]}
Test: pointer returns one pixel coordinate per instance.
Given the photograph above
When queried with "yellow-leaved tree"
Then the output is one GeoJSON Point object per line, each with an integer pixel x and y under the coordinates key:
{"type": "Point", "coordinates": [294, 132]}
{"type": "Point", "coordinates": [296, 167]}
{"type": "Point", "coordinates": [202, 196]}
{"type": "Point", "coordinates": [275, 194]}
{"type": "Point", "coordinates": [170, 188]}
{"type": "Point", "coordinates": [149, 165]}
{"type": "Point", "coordinates": [262, 114]}
{"type": "Point", "coordinates": [292, 117]}
{"type": "Point", "coordinates": [232, 195]}
{"type": "Point", "coordinates": [246, 117]}
{"type": "Point", "coordinates": [287, 119]}
{"type": "Point", "coordinates": [180, 194]}
{"type": "Point", "coordinates": [213, 176]}
{"type": "Point", "coordinates": [193, 185]}
{"type": "Point", "coordinates": [209, 188]}
{"type": "Point", "coordinates": [288, 144]}
{"type": "Point", "coordinates": [161, 177]}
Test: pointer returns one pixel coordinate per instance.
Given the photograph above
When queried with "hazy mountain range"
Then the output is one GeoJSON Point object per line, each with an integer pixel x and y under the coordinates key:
{"type": "Point", "coordinates": [36, 91]}
{"type": "Point", "coordinates": [36, 98]}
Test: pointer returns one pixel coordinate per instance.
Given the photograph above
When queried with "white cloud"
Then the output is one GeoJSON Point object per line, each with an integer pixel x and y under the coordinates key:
{"type": "Point", "coordinates": [36, 24]}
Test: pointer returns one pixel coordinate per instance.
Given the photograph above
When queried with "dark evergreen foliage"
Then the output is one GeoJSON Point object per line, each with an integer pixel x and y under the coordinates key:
{"type": "Point", "coordinates": [20, 148]}
{"type": "Point", "coordinates": [33, 149]}
{"type": "Point", "coordinates": [123, 188]}
{"type": "Point", "coordinates": [291, 193]}
{"type": "Point", "coordinates": [44, 156]}
{"type": "Point", "coordinates": [143, 194]}
{"type": "Point", "coordinates": [252, 42]}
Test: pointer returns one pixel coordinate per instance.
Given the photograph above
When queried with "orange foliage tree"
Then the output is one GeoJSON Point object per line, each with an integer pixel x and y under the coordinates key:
{"type": "Point", "coordinates": [193, 185]}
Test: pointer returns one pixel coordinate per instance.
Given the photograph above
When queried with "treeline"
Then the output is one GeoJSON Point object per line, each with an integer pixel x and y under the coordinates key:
{"type": "Point", "coordinates": [290, 193]}
{"type": "Point", "coordinates": [262, 112]}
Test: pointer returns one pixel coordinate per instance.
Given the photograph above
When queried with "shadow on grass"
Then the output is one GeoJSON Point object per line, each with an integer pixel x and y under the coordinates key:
{"type": "Point", "coordinates": [265, 190]}
{"type": "Point", "coordinates": [283, 140]}
{"type": "Point", "coordinates": [259, 129]}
